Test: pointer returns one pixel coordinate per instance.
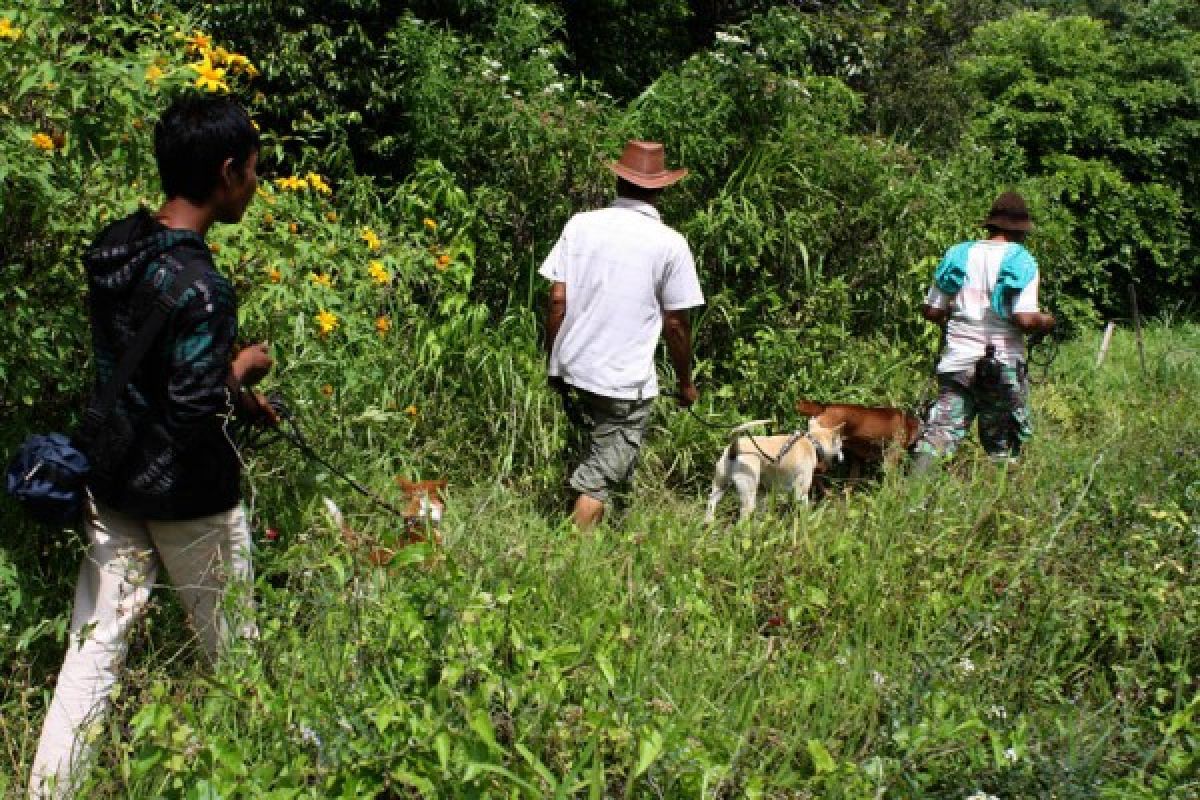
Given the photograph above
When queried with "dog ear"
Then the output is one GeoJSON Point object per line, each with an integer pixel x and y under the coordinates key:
{"type": "Point", "coordinates": [809, 408]}
{"type": "Point", "coordinates": [405, 483]}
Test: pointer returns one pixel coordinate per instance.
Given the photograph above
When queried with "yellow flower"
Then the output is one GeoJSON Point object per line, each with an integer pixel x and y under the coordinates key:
{"type": "Point", "coordinates": [428, 223]}
{"type": "Point", "coordinates": [199, 42]}
{"type": "Point", "coordinates": [318, 183]}
{"type": "Point", "coordinates": [291, 184]}
{"type": "Point", "coordinates": [378, 273]}
{"type": "Point", "coordinates": [209, 77]}
{"type": "Point", "coordinates": [443, 261]}
{"type": "Point", "coordinates": [370, 238]}
{"type": "Point", "coordinates": [327, 390]}
{"type": "Point", "coordinates": [383, 324]}
{"type": "Point", "coordinates": [42, 141]}
{"type": "Point", "coordinates": [214, 247]}
{"type": "Point", "coordinates": [411, 411]}
{"type": "Point", "coordinates": [8, 31]}
{"type": "Point", "coordinates": [274, 275]}
{"type": "Point", "coordinates": [154, 73]}
{"type": "Point", "coordinates": [268, 218]}
{"type": "Point", "coordinates": [321, 279]}
{"type": "Point", "coordinates": [293, 228]}
{"type": "Point", "coordinates": [327, 322]}
{"type": "Point", "coordinates": [331, 216]}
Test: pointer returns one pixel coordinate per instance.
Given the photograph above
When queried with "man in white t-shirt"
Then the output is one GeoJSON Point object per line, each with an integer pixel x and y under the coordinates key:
{"type": "Point", "coordinates": [620, 278]}
{"type": "Point", "coordinates": [985, 295]}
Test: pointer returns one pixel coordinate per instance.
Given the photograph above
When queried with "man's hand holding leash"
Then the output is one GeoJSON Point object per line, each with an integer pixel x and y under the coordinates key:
{"type": "Point", "coordinates": [250, 366]}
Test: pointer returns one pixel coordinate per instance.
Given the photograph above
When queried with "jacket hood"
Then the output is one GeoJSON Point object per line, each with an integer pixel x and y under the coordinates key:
{"type": "Point", "coordinates": [119, 256]}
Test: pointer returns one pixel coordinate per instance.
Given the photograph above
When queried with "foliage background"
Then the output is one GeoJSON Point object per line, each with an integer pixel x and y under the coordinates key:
{"type": "Point", "coordinates": [836, 149]}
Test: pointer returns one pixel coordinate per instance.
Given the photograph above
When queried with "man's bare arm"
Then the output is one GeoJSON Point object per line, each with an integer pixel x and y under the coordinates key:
{"type": "Point", "coordinates": [556, 310]}
{"type": "Point", "coordinates": [677, 330]}
{"type": "Point", "coordinates": [1034, 321]}
{"type": "Point", "coordinates": [938, 316]}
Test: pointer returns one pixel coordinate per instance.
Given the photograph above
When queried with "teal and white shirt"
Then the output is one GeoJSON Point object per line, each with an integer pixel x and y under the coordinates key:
{"type": "Point", "coordinates": [974, 322]}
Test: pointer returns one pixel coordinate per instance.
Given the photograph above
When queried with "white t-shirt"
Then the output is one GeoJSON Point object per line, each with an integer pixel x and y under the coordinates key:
{"type": "Point", "coordinates": [973, 324]}
{"type": "Point", "coordinates": [622, 268]}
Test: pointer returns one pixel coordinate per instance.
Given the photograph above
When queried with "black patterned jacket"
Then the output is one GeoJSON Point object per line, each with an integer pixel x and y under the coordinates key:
{"type": "Point", "coordinates": [163, 454]}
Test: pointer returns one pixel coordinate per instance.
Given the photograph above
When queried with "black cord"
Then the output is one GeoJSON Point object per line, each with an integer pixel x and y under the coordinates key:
{"type": "Point", "coordinates": [728, 429]}
{"type": "Point", "coordinates": [288, 430]}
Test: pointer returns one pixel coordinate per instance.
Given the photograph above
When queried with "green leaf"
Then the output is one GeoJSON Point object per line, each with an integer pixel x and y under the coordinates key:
{"type": "Point", "coordinates": [606, 667]}
{"type": "Point", "coordinates": [649, 749]}
{"type": "Point", "coordinates": [822, 761]}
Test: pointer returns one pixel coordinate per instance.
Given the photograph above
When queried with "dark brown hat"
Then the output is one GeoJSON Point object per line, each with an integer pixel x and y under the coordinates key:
{"type": "Point", "coordinates": [1009, 213]}
{"type": "Point", "coordinates": [644, 164]}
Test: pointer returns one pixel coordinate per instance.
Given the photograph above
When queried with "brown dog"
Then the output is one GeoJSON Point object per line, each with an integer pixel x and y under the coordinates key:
{"type": "Point", "coordinates": [422, 515]}
{"type": "Point", "coordinates": [867, 431]}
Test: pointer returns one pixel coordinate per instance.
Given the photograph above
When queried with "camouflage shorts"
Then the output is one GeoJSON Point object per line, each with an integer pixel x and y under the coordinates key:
{"type": "Point", "coordinates": [1002, 410]}
{"type": "Point", "coordinates": [612, 438]}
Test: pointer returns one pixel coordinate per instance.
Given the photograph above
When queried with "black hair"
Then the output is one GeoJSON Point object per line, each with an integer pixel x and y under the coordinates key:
{"type": "Point", "coordinates": [1015, 236]}
{"type": "Point", "coordinates": [630, 189]}
{"type": "Point", "coordinates": [194, 137]}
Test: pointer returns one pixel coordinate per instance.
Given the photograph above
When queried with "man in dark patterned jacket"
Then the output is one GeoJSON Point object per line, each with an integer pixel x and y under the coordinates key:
{"type": "Point", "coordinates": [165, 488]}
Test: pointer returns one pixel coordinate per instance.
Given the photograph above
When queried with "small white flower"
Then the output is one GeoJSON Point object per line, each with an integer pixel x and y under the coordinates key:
{"type": "Point", "coordinates": [841, 661]}
{"type": "Point", "coordinates": [552, 88]}
{"type": "Point", "coordinates": [1010, 755]}
{"type": "Point", "coordinates": [722, 59]}
{"type": "Point", "coordinates": [982, 796]}
{"type": "Point", "coordinates": [760, 51]}
{"type": "Point", "coordinates": [729, 38]}
{"type": "Point", "coordinates": [966, 666]}
{"type": "Point", "coordinates": [879, 679]}
{"type": "Point", "coordinates": [997, 712]}
{"type": "Point", "coordinates": [309, 736]}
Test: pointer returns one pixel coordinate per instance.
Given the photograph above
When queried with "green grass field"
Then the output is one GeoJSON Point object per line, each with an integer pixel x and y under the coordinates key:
{"type": "Point", "coordinates": [1016, 632]}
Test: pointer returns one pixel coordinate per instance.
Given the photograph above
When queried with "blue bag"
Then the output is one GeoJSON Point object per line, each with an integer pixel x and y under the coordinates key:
{"type": "Point", "coordinates": [47, 477]}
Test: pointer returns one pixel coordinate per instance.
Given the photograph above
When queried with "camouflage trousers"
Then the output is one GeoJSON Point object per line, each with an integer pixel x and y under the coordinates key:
{"type": "Point", "coordinates": [1002, 411]}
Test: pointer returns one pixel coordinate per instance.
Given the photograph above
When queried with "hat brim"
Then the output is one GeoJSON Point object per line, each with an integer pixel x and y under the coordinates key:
{"type": "Point", "coordinates": [659, 181]}
{"type": "Point", "coordinates": [1006, 223]}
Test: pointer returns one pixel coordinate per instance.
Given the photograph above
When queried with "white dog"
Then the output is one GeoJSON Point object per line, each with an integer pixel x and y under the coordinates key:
{"type": "Point", "coordinates": [781, 461]}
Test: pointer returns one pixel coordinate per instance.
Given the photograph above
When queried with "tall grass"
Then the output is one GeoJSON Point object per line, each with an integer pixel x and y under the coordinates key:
{"type": "Point", "coordinates": [1021, 631]}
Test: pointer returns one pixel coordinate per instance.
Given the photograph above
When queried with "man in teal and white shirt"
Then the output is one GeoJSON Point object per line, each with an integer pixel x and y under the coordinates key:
{"type": "Point", "coordinates": [985, 295]}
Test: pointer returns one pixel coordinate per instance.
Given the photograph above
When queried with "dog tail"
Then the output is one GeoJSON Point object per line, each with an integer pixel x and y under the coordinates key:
{"type": "Point", "coordinates": [731, 451]}
{"type": "Point", "coordinates": [808, 408]}
{"type": "Point", "coordinates": [339, 520]}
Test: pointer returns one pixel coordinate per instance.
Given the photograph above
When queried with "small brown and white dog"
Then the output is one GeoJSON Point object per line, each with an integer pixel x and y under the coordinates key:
{"type": "Point", "coordinates": [426, 502]}
{"type": "Point", "coordinates": [785, 461]}
{"type": "Point", "coordinates": [424, 509]}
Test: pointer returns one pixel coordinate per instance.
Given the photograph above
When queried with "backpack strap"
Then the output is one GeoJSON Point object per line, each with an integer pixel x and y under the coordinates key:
{"type": "Point", "coordinates": [164, 303]}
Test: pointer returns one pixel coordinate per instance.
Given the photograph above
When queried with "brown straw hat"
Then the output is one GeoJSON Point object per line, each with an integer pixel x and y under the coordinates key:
{"type": "Point", "coordinates": [644, 164]}
{"type": "Point", "coordinates": [1009, 213]}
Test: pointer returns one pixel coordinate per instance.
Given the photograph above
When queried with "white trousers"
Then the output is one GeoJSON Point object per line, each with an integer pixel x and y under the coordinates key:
{"type": "Point", "coordinates": [205, 558]}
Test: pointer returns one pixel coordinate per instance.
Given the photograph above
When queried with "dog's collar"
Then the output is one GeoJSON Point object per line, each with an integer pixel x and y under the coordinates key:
{"type": "Point", "coordinates": [788, 445]}
{"type": "Point", "coordinates": [822, 453]}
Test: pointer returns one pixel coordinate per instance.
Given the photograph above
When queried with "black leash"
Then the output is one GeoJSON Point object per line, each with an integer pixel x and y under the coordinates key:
{"type": "Point", "coordinates": [728, 428]}
{"type": "Point", "coordinates": [1041, 353]}
{"type": "Point", "coordinates": [288, 430]}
